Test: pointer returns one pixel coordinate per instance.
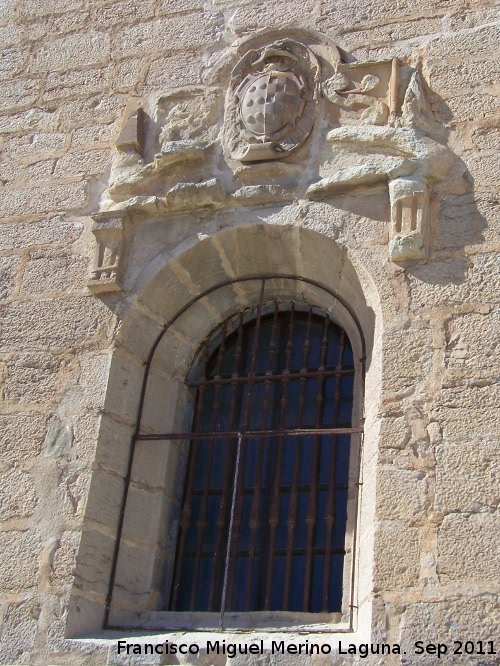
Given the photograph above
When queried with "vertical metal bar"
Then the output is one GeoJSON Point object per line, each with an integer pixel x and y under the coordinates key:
{"type": "Point", "coordinates": [293, 503]}
{"type": "Point", "coordinates": [313, 491]}
{"type": "Point", "coordinates": [330, 502]}
{"type": "Point", "coordinates": [185, 519]}
{"type": "Point", "coordinates": [201, 523]}
{"type": "Point", "coordinates": [237, 509]}
{"type": "Point", "coordinates": [230, 534]}
{"type": "Point", "coordinates": [253, 360]}
{"type": "Point", "coordinates": [254, 521]}
{"type": "Point", "coordinates": [274, 512]}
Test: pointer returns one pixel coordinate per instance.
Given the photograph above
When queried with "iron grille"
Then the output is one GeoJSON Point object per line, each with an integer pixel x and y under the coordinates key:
{"type": "Point", "coordinates": [263, 520]}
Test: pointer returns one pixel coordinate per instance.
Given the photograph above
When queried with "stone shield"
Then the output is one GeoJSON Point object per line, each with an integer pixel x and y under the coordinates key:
{"type": "Point", "coordinates": [271, 102]}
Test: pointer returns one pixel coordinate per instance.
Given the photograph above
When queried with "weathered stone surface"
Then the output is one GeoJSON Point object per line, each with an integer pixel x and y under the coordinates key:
{"type": "Point", "coordinates": [446, 622]}
{"type": "Point", "coordinates": [82, 163]}
{"type": "Point", "coordinates": [469, 410]}
{"type": "Point", "coordinates": [35, 377]}
{"type": "Point", "coordinates": [43, 199]}
{"type": "Point", "coordinates": [475, 470]}
{"type": "Point", "coordinates": [59, 85]}
{"type": "Point", "coordinates": [17, 495]}
{"type": "Point", "coordinates": [34, 119]}
{"type": "Point", "coordinates": [172, 72]}
{"type": "Point", "coordinates": [473, 345]}
{"type": "Point", "coordinates": [32, 9]}
{"type": "Point", "coordinates": [63, 561]}
{"type": "Point", "coordinates": [20, 551]}
{"type": "Point", "coordinates": [164, 35]}
{"type": "Point", "coordinates": [397, 553]}
{"type": "Point", "coordinates": [468, 548]}
{"type": "Point", "coordinates": [94, 134]}
{"type": "Point", "coordinates": [401, 494]}
{"type": "Point", "coordinates": [56, 229]}
{"type": "Point", "coordinates": [48, 271]}
{"type": "Point", "coordinates": [22, 437]}
{"type": "Point", "coordinates": [66, 322]}
{"type": "Point", "coordinates": [19, 94]}
{"type": "Point", "coordinates": [73, 51]}
{"type": "Point", "coordinates": [8, 270]}
{"type": "Point", "coordinates": [19, 631]}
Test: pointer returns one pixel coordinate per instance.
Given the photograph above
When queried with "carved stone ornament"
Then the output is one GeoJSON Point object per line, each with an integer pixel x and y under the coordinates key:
{"type": "Point", "coordinates": [106, 269]}
{"type": "Point", "coordinates": [271, 102]}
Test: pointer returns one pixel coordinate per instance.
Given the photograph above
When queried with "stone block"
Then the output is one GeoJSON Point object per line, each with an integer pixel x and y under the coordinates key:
{"type": "Point", "coordinates": [128, 74]}
{"type": "Point", "coordinates": [467, 476]}
{"type": "Point", "coordinates": [22, 437]}
{"type": "Point", "coordinates": [50, 271]}
{"type": "Point", "coordinates": [454, 281]}
{"type": "Point", "coordinates": [59, 85]}
{"type": "Point", "coordinates": [481, 41]}
{"type": "Point", "coordinates": [12, 61]}
{"type": "Point", "coordinates": [401, 494]}
{"type": "Point", "coordinates": [468, 549]}
{"type": "Point", "coordinates": [483, 170]}
{"type": "Point", "coordinates": [94, 558]}
{"type": "Point", "coordinates": [18, 497]}
{"type": "Point", "coordinates": [463, 108]}
{"type": "Point", "coordinates": [8, 274]}
{"type": "Point", "coordinates": [43, 199]}
{"type": "Point", "coordinates": [94, 134]}
{"type": "Point", "coordinates": [176, 6]}
{"type": "Point", "coordinates": [33, 9]}
{"type": "Point", "coordinates": [469, 410]}
{"type": "Point", "coordinates": [73, 51]}
{"type": "Point", "coordinates": [9, 172]}
{"type": "Point", "coordinates": [10, 35]}
{"type": "Point", "coordinates": [7, 10]}
{"type": "Point", "coordinates": [100, 108]}
{"type": "Point", "coordinates": [105, 499]}
{"type": "Point", "coordinates": [252, 17]}
{"type": "Point", "coordinates": [395, 432]}
{"type": "Point", "coordinates": [454, 79]}
{"type": "Point", "coordinates": [94, 374]}
{"type": "Point", "coordinates": [33, 119]}
{"type": "Point", "coordinates": [143, 513]}
{"type": "Point", "coordinates": [20, 553]}
{"type": "Point", "coordinates": [54, 323]}
{"type": "Point", "coordinates": [56, 229]}
{"type": "Point", "coordinates": [39, 172]}
{"type": "Point", "coordinates": [486, 138]}
{"type": "Point", "coordinates": [157, 464]}
{"type": "Point", "coordinates": [193, 30]}
{"type": "Point", "coordinates": [473, 341]}
{"type": "Point", "coordinates": [72, 494]}
{"type": "Point", "coordinates": [469, 219]}
{"type": "Point", "coordinates": [407, 359]}
{"type": "Point", "coordinates": [82, 163]}
{"type": "Point", "coordinates": [124, 386]}
{"type": "Point", "coordinates": [471, 618]}
{"type": "Point", "coordinates": [113, 445]}
{"type": "Point", "coordinates": [18, 94]}
{"type": "Point", "coordinates": [397, 554]}
{"type": "Point", "coordinates": [134, 575]}
{"type": "Point", "coordinates": [173, 72]}
{"type": "Point", "coordinates": [19, 631]}
{"type": "Point", "coordinates": [34, 146]}
{"type": "Point", "coordinates": [124, 13]}
{"type": "Point", "coordinates": [64, 558]}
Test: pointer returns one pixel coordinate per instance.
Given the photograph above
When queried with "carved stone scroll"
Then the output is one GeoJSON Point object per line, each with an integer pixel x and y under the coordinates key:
{"type": "Point", "coordinates": [106, 271]}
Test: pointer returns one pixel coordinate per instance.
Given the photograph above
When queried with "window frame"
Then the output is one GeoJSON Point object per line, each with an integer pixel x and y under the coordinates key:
{"type": "Point", "coordinates": [118, 616]}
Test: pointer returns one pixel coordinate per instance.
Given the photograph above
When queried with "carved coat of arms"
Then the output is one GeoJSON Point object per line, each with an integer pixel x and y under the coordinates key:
{"type": "Point", "coordinates": [272, 102]}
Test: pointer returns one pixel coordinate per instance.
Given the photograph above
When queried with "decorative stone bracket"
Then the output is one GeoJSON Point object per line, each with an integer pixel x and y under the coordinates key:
{"type": "Point", "coordinates": [409, 227]}
{"type": "Point", "coordinates": [106, 271]}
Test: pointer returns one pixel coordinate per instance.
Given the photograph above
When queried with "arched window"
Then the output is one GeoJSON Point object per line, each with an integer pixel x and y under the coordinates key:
{"type": "Point", "coordinates": [264, 512]}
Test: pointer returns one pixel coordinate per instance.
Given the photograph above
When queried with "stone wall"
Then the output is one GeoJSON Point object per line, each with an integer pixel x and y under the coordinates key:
{"type": "Point", "coordinates": [71, 359]}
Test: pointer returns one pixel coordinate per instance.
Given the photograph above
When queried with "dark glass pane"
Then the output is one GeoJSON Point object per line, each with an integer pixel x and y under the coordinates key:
{"type": "Point", "coordinates": [295, 466]}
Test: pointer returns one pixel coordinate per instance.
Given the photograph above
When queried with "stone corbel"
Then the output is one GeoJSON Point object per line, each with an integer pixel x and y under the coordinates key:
{"type": "Point", "coordinates": [106, 271]}
{"type": "Point", "coordinates": [409, 226]}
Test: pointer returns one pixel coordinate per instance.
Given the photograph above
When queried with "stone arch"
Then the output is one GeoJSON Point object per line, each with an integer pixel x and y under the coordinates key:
{"type": "Point", "coordinates": [164, 289]}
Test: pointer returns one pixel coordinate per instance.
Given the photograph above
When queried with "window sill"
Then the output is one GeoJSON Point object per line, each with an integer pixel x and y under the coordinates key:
{"type": "Point", "coordinates": [261, 621]}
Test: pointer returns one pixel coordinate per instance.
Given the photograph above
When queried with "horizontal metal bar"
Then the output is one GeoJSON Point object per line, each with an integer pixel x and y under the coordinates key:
{"type": "Point", "coordinates": [292, 432]}
{"type": "Point", "coordinates": [265, 377]}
